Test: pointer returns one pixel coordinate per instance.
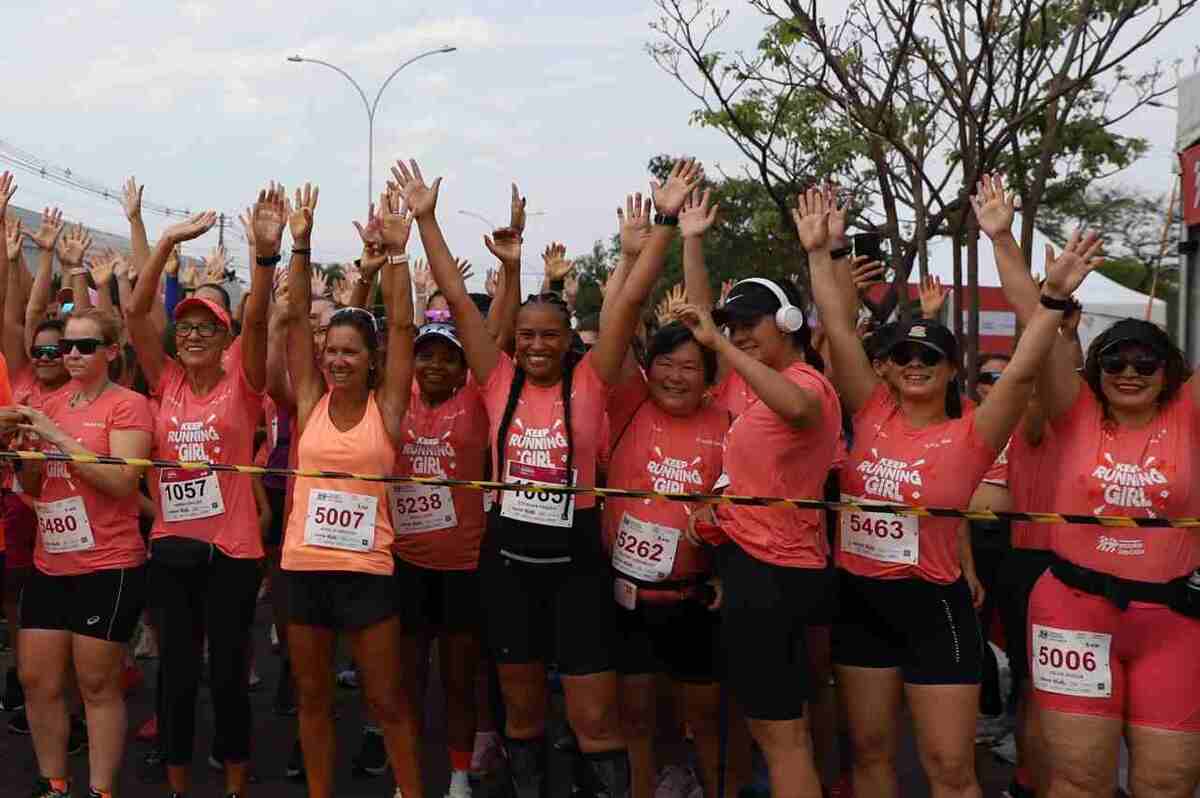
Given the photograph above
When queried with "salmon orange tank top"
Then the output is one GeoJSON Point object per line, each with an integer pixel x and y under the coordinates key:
{"type": "Point", "coordinates": [341, 524]}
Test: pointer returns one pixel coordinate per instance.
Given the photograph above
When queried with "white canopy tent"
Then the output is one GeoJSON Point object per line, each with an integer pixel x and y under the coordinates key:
{"type": "Point", "coordinates": [1104, 301]}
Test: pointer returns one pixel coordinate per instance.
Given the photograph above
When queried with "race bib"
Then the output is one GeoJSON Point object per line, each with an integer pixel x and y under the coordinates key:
{"type": "Point", "coordinates": [421, 508]}
{"type": "Point", "coordinates": [1071, 663]}
{"type": "Point", "coordinates": [625, 593]}
{"type": "Point", "coordinates": [881, 536]}
{"type": "Point", "coordinates": [190, 495]}
{"type": "Point", "coordinates": [535, 506]}
{"type": "Point", "coordinates": [64, 526]}
{"type": "Point", "coordinates": [643, 550]}
{"type": "Point", "coordinates": [340, 520]}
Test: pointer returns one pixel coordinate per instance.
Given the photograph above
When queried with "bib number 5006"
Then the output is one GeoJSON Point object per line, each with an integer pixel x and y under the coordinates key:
{"type": "Point", "coordinates": [1070, 659]}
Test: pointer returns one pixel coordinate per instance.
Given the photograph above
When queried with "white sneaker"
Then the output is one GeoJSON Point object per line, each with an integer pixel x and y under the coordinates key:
{"type": "Point", "coordinates": [460, 789]}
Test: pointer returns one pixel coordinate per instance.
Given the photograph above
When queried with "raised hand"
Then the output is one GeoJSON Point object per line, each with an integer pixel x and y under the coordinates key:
{"type": "Point", "coordinates": [570, 289]}
{"type": "Point", "coordinates": [933, 296]}
{"type": "Point", "coordinates": [281, 287]}
{"type": "Point", "coordinates": [669, 197]}
{"type": "Point", "coordinates": [672, 301]}
{"type": "Point", "coordinates": [994, 207]}
{"type": "Point", "coordinates": [131, 199]}
{"type": "Point", "coordinates": [395, 222]}
{"type": "Point", "coordinates": [120, 266]}
{"type": "Point", "coordinates": [172, 264]}
{"type": "Point", "coordinates": [700, 322]}
{"type": "Point", "coordinates": [696, 216]}
{"type": "Point", "coordinates": [555, 263]}
{"type": "Point", "coordinates": [420, 198]}
{"type": "Point", "coordinates": [7, 189]}
{"type": "Point", "coordinates": [12, 238]}
{"type": "Point", "coordinates": [1065, 272]}
{"type": "Point", "coordinates": [837, 215]}
{"type": "Point", "coordinates": [247, 220]}
{"type": "Point", "coordinates": [189, 276]}
{"type": "Point", "coordinates": [373, 255]}
{"type": "Point", "coordinates": [866, 273]}
{"type": "Point", "coordinates": [320, 286]}
{"type": "Point", "coordinates": [52, 225]}
{"type": "Point", "coordinates": [102, 267]}
{"type": "Point", "coordinates": [635, 224]}
{"type": "Point", "coordinates": [812, 220]}
{"type": "Point", "coordinates": [190, 229]}
{"type": "Point", "coordinates": [517, 214]}
{"type": "Point", "coordinates": [300, 215]}
{"type": "Point", "coordinates": [422, 277]}
{"type": "Point", "coordinates": [343, 289]}
{"type": "Point", "coordinates": [505, 244]}
{"type": "Point", "coordinates": [215, 266]}
{"type": "Point", "coordinates": [267, 218]}
{"type": "Point", "coordinates": [491, 282]}
{"type": "Point", "coordinates": [726, 287]}
{"type": "Point", "coordinates": [464, 268]}
{"type": "Point", "coordinates": [73, 245]}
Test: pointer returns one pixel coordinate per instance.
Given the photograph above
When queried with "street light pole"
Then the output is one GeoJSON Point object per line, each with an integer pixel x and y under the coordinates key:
{"type": "Point", "coordinates": [369, 106]}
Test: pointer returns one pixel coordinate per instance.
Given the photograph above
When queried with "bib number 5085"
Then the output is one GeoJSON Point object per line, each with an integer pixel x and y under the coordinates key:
{"type": "Point", "coordinates": [880, 528]}
{"type": "Point", "coordinates": [543, 496]}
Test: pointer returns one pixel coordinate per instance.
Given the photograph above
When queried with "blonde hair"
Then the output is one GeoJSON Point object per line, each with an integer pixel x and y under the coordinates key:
{"type": "Point", "coordinates": [108, 323]}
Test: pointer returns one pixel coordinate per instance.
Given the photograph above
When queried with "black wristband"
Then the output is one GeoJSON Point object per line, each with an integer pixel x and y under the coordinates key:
{"type": "Point", "coordinates": [269, 260]}
{"type": "Point", "coordinates": [1056, 304]}
{"type": "Point", "coordinates": [301, 250]}
{"type": "Point", "coordinates": [841, 252]}
{"type": "Point", "coordinates": [663, 219]}
{"type": "Point", "coordinates": [558, 286]}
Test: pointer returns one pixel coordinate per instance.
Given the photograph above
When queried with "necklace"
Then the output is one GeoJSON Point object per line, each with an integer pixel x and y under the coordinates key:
{"type": "Point", "coordinates": [78, 399]}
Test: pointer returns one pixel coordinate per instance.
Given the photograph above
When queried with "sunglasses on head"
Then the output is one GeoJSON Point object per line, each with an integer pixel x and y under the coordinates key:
{"type": "Point", "coordinates": [904, 354]}
{"type": "Point", "coordinates": [85, 346]}
{"type": "Point", "coordinates": [45, 352]}
{"type": "Point", "coordinates": [988, 377]}
{"type": "Point", "coordinates": [437, 316]}
{"type": "Point", "coordinates": [346, 313]}
{"type": "Point", "coordinates": [1144, 365]}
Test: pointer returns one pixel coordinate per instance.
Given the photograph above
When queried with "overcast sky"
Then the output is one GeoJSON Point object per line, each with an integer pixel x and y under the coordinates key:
{"type": "Point", "coordinates": [197, 99]}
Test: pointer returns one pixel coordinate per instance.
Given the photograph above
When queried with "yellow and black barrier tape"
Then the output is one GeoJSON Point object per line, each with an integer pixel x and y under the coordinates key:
{"type": "Point", "coordinates": [623, 493]}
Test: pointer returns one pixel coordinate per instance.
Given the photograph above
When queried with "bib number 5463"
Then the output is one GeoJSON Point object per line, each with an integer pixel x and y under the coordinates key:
{"type": "Point", "coordinates": [879, 528]}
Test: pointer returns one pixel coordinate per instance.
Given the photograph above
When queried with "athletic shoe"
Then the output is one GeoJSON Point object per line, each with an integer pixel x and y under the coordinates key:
{"type": "Point", "coordinates": [147, 646]}
{"type": "Point", "coordinates": [14, 694]}
{"type": "Point", "coordinates": [674, 781]}
{"type": "Point", "coordinates": [254, 683]}
{"type": "Point", "coordinates": [1005, 749]}
{"type": "Point", "coordinates": [18, 723]}
{"type": "Point", "coordinates": [348, 678]}
{"type": "Point", "coordinates": [153, 769]}
{"type": "Point", "coordinates": [372, 759]}
{"type": "Point", "coordinates": [488, 756]}
{"type": "Point", "coordinates": [42, 788]}
{"type": "Point", "coordinates": [273, 637]}
{"type": "Point", "coordinates": [295, 763]}
{"type": "Point", "coordinates": [77, 741]}
{"type": "Point", "coordinates": [989, 728]}
{"type": "Point", "coordinates": [148, 731]}
{"type": "Point", "coordinates": [459, 790]}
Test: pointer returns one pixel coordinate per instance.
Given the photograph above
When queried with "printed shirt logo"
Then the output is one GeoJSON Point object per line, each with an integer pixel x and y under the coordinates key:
{"type": "Point", "coordinates": [194, 441]}
{"type": "Point", "coordinates": [536, 445]}
{"type": "Point", "coordinates": [1120, 546]}
{"type": "Point", "coordinates": [1130, 486]}
{"type": "Point", "coordinates": [886, 478]}
{"type": "Point", "coordinates": [426, 455]}
{"type": "Point", "coordinates": [673, 475]}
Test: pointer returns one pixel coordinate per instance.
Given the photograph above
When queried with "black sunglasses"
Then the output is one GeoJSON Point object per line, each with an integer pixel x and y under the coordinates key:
{"type": "Point", "coordinates": [988, 377]}
{"type": "Point", "coordinates": [86, 346]}
{"type": "Point", "coordinates": [1144, 365]}
{"type": "Point", "coordinates": [45, 352]}
{"type": "Point", "coordinates": [904, 354]}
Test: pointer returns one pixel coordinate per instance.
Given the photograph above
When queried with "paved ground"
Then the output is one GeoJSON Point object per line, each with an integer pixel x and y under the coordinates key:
{"type": "Point", "coordinates": [274, 736]}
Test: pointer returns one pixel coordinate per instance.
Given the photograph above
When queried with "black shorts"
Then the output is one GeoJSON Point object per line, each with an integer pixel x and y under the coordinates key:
{"type": "Point", "coordinates": [1018, 573]}
{"type": "Point", "coordinates": [276, 499]}
{"type": "Point", "coordinates": [342, 600]}
{"type": "Point", "coordinates": [105, 604]}
{"type": "Point", "coordinates": [562, 612]}
{"type": "Point", "coordinates": [439, 601]}
{"type": "Point", "coordinates": [680, 639]}
{"type": "Point", "coordinates": [765, 615]}
{"type": "Point", "coordinates": [929, 631]}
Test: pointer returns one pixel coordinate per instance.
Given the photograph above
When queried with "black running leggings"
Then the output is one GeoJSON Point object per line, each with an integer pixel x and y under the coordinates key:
{"type": "Point", "coordinates": [216, 597]}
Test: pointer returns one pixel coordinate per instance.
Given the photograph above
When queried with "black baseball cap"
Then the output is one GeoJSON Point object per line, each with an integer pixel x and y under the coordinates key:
{"type": "Point", "coordinates": [1136, 331]}
{"type": "Point", "coordinates": [932, 334]}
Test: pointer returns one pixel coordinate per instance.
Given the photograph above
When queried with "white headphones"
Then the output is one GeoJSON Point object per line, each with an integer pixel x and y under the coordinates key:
{"type": "Point", "coordinates": [788, 318]}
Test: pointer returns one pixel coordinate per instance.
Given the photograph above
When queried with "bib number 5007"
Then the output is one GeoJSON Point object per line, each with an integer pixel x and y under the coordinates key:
{"type": "Point", "coordinates": [1070, 659]}
{"type": "Point", "coordinates": [880, 528]}
{"type": "Point", "coordinates": [331, 516]}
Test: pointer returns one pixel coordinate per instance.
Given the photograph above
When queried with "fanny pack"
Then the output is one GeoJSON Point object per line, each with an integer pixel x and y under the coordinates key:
{"type": "Point", "coordinates": [1181, 594]}
{"type": "Point", "coordinates": [671, 591]}
{"type": "Point", "coordinates": [180, 552]}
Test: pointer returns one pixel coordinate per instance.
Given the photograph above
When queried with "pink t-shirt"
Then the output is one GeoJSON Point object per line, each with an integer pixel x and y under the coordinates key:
{"type": "Point", "coordinates": [536, 449]}
{"type": "Point", "coordinates": [80, 529]}
{"type": "Point", "coordinates": [733, 394]}
{"type": "Point", "coordinates": [216, 507]}
{"type": "Point", "coordinates": [1150, 472]}
{"type": "Point", "coordinates": [657, 451]}
{"type": "Point", "coordinates": [766, 456]}
{"type": "Point", "coordinates": [935, 466]}
{"type": "Point", "coordinates": [438, 527]}
{"type": "Point", "coordinates": [1031, 473]}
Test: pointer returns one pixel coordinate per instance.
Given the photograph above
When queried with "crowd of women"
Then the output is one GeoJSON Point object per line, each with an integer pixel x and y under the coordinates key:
{"type": "Point", "coordinates": [750, 613]}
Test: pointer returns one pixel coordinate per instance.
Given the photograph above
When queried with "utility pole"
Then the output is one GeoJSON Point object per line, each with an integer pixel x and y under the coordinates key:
{"type": "Point", "coordinates": [221, 231]}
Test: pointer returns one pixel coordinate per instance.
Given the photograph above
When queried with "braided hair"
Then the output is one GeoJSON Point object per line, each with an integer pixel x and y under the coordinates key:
{"type": "Point", "coordinates": [571, 360]}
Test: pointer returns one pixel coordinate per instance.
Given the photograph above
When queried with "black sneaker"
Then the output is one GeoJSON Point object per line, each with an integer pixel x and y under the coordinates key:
{"type": "Point", "coordinates": [153, 769]}
{"type": "Point", "coordinates": [295, 763]}
{"type": "Point", "coordinates": [372, 757]}
{"type": "Point", "coordinates": [14, 694]}
{"type": "Point", "coordinates": [77, 741]}
{"type": "Point", "coordinates": [18, 723]}
{"type": "Point", "coordinates": [43, 789]}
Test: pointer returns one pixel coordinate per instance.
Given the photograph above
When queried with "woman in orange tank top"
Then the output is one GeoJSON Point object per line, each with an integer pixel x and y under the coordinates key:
{"type": "Point", "coordinates": [337, 547]}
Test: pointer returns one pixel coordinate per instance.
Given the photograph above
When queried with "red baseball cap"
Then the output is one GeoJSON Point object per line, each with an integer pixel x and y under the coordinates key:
{"type": "Point", "coordinates": [200, 302]}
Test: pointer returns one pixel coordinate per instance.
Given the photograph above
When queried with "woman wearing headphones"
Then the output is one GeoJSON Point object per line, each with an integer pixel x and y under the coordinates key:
{"type": "Point", "coordinates": [775, 574]}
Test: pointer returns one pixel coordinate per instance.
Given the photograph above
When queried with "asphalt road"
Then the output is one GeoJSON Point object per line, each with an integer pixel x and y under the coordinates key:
{"type": "Point", "coordinates": [273, 738]}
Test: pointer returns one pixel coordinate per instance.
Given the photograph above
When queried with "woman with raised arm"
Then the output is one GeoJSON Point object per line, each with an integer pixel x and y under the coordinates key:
{"type": "Point", "coordinates": [337, 551]}
{"type": "Point", "coordinates": [205, 545]}
{"type": "Point", "coordinates": [82, 601]}
{"type": "Point", "coordinates": [1115, 623]}
{"type": "Point", "coordinates": [906, 627]}
{"type": "Point", "coordinates": [543, 572]}
{"type": "Point", "coordinates": [774, 573]}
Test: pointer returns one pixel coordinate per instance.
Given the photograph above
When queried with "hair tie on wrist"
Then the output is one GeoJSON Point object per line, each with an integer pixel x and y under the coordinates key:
{"type": "Point", "coordinates": [1051, 303]}
{"type": "Point", "coordinates": [268, 260]}
{"type": "Point", "coordinates": [663, 219]}
{"type": "Point", "coordinates": [301, 250]}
